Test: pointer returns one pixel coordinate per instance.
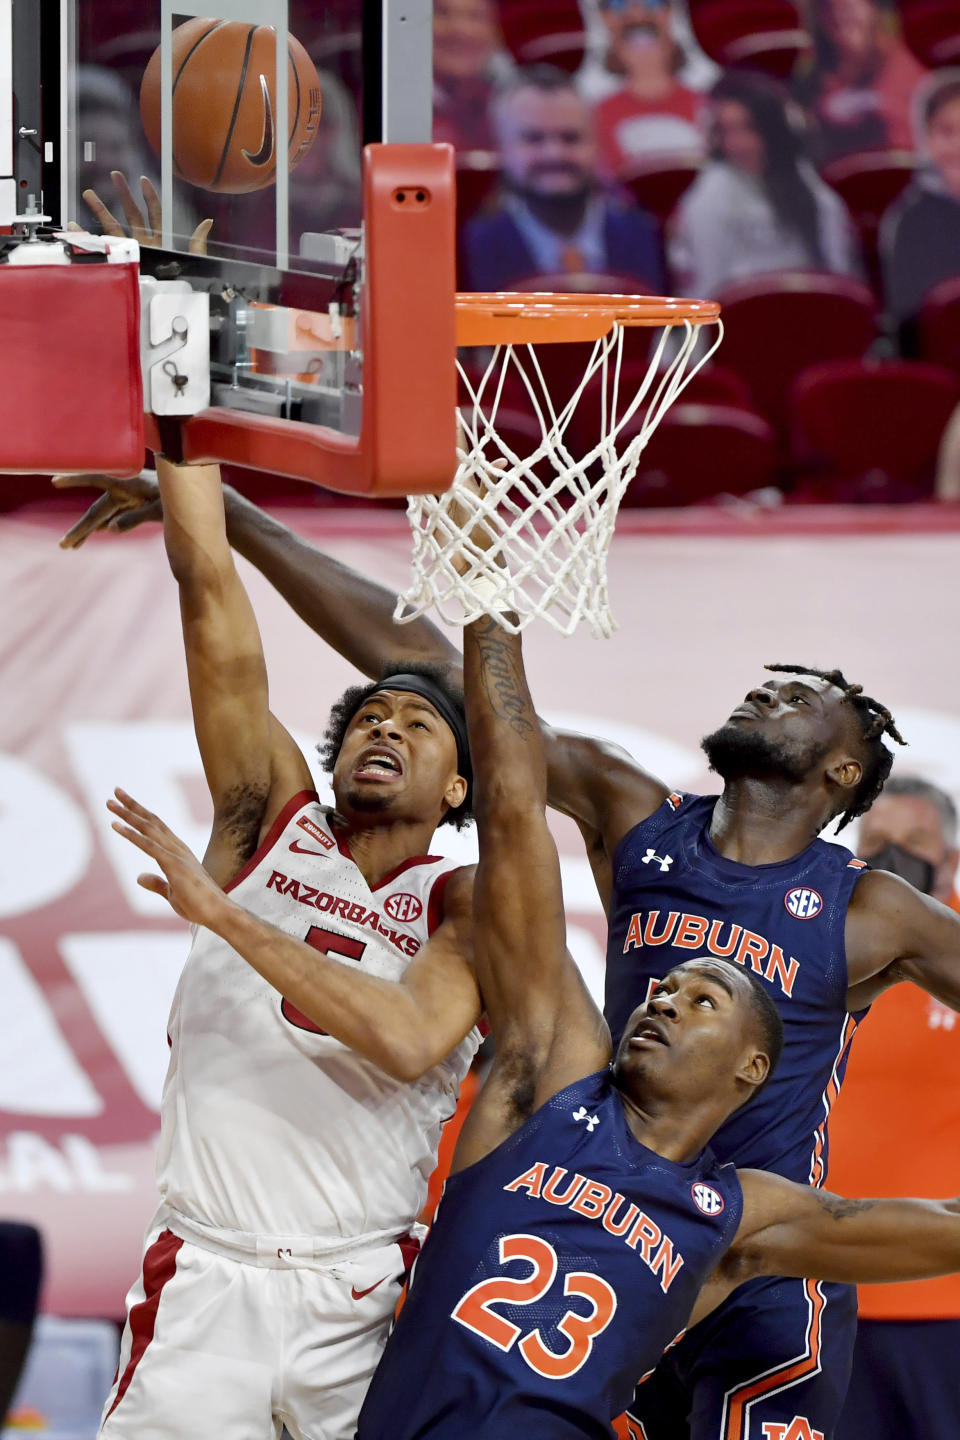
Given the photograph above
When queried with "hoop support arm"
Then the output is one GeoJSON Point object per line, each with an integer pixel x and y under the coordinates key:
{"type": "Point", "coordinates": [407, 441]}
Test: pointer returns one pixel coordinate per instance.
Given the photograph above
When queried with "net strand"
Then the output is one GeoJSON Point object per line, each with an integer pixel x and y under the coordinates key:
{"type": "Point", "coordinates": [548, 516]}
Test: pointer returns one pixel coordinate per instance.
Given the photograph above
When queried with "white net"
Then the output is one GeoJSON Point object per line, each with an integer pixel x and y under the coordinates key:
{"type": "Point", "coordinates": [549, 514]}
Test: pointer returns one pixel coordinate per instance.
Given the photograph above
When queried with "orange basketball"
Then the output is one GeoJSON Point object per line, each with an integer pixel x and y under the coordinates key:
{"type": "Point", "coordinates": [225, 104]}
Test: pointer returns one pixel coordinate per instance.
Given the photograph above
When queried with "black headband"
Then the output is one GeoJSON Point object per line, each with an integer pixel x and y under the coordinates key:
{"type": "Point", "coordinates": [429, 690]}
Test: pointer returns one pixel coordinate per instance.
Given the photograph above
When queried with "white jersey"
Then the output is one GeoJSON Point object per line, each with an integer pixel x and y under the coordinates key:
{"type": "Point", "coordinates": [268, 1125]}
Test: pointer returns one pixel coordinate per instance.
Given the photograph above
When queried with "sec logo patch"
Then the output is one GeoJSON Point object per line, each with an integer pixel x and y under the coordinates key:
{"type": "Point", "coordinates": [403, 907]}
{"type": "Point", "coordinates": [706, 1199]}
{"type": "Point", "coordinates": [803, 904]}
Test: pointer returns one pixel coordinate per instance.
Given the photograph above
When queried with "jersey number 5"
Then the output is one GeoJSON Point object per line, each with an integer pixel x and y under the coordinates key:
{"type": "Point", "coordinates": [328, 942]}
{"type": "Point", "coordinates": [474, 1310]}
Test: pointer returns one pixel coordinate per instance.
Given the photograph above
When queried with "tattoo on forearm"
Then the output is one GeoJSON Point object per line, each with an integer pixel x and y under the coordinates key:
{"type": "Point", "coordinates": [839, 1207]}
{"type": "Point", "coordinates": [502, 679]}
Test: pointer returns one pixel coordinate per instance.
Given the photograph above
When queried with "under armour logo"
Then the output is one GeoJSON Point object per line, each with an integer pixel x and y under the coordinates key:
{"type": "Point", "coordinates": [664, 861]}
{"type": "Point", "coordinates": [583, 1114]}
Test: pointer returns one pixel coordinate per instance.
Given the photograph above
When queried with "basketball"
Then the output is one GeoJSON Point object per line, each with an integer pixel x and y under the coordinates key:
{"type": "Point", "coordinates": [225, 104]}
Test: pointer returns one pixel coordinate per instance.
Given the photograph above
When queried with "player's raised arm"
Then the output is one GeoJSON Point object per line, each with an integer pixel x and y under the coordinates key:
{"type": "Point", "coordinates": [248, 758]}
{"type": "Point", "coordinates": [790, 1229]}
{"type": "Point", "coordinates": [546, 1029]}
{"type": "Point", "coordinates": [597, 784]}
{"type": "Point", "coordinates": [406, 1026]}
{"type": "Point", "coordinates": [351, 612]}
{"type": "Point", "coordinates": [896, 933]}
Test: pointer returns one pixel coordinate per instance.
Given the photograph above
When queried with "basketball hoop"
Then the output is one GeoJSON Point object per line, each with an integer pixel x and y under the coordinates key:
{"type": "Point", "coordinates": [548, 513]}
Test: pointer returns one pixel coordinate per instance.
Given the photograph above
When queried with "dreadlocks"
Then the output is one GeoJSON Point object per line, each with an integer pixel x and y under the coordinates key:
{"type": "Point", "coordinates": [875, 721]}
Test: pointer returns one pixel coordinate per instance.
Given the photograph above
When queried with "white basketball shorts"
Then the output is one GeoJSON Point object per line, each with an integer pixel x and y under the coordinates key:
{"type": "Point", "coordinates": [216, 1346]}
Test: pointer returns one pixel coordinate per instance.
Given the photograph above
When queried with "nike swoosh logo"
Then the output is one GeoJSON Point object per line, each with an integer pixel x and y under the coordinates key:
{"type": "Point", "coordinates": [265, 154]}
{"type": "Point", "coordinates": [299, 849]}
{"type": "Point", "coordinates": [359, 1294]}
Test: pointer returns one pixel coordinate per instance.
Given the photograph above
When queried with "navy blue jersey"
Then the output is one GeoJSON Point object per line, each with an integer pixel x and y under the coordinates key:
{"type": "Point", "coordinates": [558, 1270]}
{"type": "Point", "coordinates": [676, 898]}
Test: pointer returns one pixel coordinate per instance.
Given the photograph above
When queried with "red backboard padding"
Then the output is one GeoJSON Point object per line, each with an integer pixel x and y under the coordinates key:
{"type": "Point", "coordinates": [71, 395]}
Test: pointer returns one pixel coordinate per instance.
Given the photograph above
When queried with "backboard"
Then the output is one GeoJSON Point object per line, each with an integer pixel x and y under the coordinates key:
{"type": "Point", "coordinates": [329, 263]}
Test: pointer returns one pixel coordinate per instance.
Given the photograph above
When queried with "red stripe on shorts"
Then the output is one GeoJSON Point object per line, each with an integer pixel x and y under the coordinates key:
{"type": "Point", "coordinates": [159, 1266]}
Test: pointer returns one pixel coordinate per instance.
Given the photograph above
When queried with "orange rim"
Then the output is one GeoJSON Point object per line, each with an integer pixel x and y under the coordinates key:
{"type": "Point", "coordinates": [511, 318]}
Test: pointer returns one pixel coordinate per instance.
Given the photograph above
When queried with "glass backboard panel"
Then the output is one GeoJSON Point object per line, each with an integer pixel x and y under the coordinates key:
{"type": "Point", "coordinates": [190, 94]}
{"type": "Point", "coordinates": [251, 115]}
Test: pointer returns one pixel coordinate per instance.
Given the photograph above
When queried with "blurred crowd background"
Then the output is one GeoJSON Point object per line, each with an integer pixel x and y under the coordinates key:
{"type": "Point", "coordinates": [799, 160]}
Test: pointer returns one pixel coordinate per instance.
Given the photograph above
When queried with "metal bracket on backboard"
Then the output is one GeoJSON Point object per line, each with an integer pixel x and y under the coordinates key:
{"type": "Point", "coordinates": [174, 347]}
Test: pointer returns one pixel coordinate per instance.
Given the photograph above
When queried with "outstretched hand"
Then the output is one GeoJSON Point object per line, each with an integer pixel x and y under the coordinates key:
{"type": "Point", "coordinates": [146, 225]}
{"type": "Point", "coordinates": [124, 504]}
{"type": "Point", "coordinates": [185, 885]}
{"type": "Point", "coordinates": [465, 515]}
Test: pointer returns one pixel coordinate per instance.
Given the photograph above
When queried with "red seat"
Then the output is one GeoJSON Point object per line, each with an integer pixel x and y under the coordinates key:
{"type": "Point", "coordinates": [938, 325]}
{"type": "Point", "coordinates": [701, 451]}
{"type": "Point", "coordinates": [537, 34]}
{"type": "Point", "coordinates": [932, 30]}
{"type": "Point", "coordinates": [868, 184]}
{"type": "Point", "coordinates": [765, 35]}
{"type": "Point", "coordinates": [657, 184]}
{"type": "Point", "coordinates": [776, 326]}
{"type": "Point", "coordinates": [713, 385]}
{"type": "Point", "coordinates": [866, 430]}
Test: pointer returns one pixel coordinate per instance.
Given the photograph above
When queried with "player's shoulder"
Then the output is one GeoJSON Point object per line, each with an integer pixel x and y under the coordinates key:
{"type": "Point", "coordinates": [457, 901]}
{"type": "Point", "coordinates": [881, 895]}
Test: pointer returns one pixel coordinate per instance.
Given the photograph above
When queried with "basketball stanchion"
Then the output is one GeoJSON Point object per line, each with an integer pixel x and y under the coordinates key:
{"type": "Point", "coordinates": [550, 513]}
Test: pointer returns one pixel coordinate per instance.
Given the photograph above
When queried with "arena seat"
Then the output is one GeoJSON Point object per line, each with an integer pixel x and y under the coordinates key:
{"type": "Point", "coordinates": [713, 385]}
{"type": "Point", "coordinates": [869, 430]}
{"type": "Point", "coordinates": [765, 35]}
{"type": "Point", "coordinates": [701, 451]}
{"type": "Point", "coordinates": [775, 326]}
{"type": "Point", "coordinates": [537, 34]}
{"type": "Point", "coordinates": [868, 184]}
{"type": "Point", "coordinates": [657, 183]}
{"type": "Point", "coordinates": [931, 29]}
{"type": "Point", "coordinates": [938, 325]}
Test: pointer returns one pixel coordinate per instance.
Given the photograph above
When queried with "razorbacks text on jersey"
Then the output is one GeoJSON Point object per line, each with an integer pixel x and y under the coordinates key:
{"type": "Point", "coordinates": [559, 1267]}
{"type": "Point", "coordinates": [269, 1126]}
{"type": "Point", "coordinates": [676, 898]}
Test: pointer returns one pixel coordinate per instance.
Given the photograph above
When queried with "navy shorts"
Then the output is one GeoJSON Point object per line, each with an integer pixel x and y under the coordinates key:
{"type": "Point", "coordinates": [771, 1363]}
{"type": "Point", "coordinates": [905, 1383]}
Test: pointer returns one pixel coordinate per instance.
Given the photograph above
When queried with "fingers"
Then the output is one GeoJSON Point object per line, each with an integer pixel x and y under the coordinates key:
{"type": "Point", "coordinates": [136, 499]}
{"type": "Point", "coordinates": [130, 518]}
{"type": "Point", "coordinates": [125, 801]}
{"type": "Point", "coordinates": [135, 838]}
{"type": "Point", "coordinates": [78, 482]}
{"type": "Point", "coordinates": [152, 201]}
{"type": "Point", "coordinates": [198, 240]}
{"type": "Point", "coordinates": [135, 219]}
{"type": "Point", "coordinates": [100, 513]}
{"type": "Point", "coordinates": [111, 225]}
{"type": "Point", "coordinates": [156, 884]}
{"type": "Point", "coordinates": [158, 839]}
